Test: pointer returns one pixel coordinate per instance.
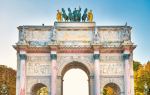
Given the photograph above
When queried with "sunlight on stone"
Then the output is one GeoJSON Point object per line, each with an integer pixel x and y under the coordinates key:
{"type": "Point", "coordinates": [42, 91]}
{"type": "Point", "coordinates": [75, 83]}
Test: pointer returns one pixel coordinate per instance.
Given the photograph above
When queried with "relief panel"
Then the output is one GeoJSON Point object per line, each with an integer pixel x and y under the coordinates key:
{"type": "Point", "coordinates": [111, 64]}
{"type": "Point", "coordinates": [38, 65]}
{"type": "Point", "coordinates": [113, 58]}
{"type": "Point", "coordinates": [111, 69]}
{"type": "Point", "coordinates": [31, 81]}
{"type": "Point", "coordinates": [37, 35]}
{"type": "Point", "coordinates": [110, 36]}
{"type": "Point", "coordinates": [74, 35]}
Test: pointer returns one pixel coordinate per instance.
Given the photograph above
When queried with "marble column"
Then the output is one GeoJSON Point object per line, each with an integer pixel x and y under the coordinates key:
{"type": "Point", "coordinates": [126, 56]}
{"type": "Point", "coordinates": [22, 88]}
{"type": "Point", "coordinates": [96, 73]}
{"type": "Point", "coordinates": [53, 72]}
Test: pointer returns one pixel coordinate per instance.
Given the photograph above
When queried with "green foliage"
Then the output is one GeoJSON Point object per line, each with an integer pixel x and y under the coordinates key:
{"type": "Point", "coordinates": [141, 78]}
{"type": "Point", "coordinates": [136, 65]}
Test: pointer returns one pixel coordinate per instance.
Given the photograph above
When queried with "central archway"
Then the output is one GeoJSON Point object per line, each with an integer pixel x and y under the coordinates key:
{"type": "Point", "coordinates": [75, 82]}
{"type": "Point", "coordinates": [75, 65]}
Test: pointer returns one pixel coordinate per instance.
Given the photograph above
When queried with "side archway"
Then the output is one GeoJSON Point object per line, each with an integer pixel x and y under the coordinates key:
{"type": "Point", "coordinates": [39, 89]}
{"type": "Point", "coordinates": [111, 89]}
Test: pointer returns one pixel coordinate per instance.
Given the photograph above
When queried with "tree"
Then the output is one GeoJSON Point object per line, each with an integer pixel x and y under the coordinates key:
{"type": "Point", "coordinates": [136, 65]}
{"type": "Point", "coordinates": [141, 78]}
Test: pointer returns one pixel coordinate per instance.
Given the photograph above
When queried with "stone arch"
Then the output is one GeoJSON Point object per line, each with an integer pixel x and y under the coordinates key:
{"type": "Point", "coordinates": [114, 87]}
{"type": "Point", "coordinates": [84, 65]}
{"type": "Point", "coordinates": [74, 64]}
{"type": "Point", "coordinates": [37, 87]}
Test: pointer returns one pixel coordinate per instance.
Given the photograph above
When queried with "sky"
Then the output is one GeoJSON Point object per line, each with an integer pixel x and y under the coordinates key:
{"type": "Point", "coordinates": [106, 12]}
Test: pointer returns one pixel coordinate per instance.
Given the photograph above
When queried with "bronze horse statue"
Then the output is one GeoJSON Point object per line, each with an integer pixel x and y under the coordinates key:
{"type": "Point", "coordinates": [84, 17]}
{"type": "Point", "coordinates": [64, 15]}
{"type": "Point", "coordinates": [70, 15]}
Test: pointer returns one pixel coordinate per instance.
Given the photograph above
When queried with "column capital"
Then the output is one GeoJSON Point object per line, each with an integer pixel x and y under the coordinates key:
{"type": "Point", "coordinates": [96, 56]}
{"type": "Point", "coordinates": [126, 56]}
{"type": "Point", "coordinates": [53, 56]}
{"type": "Point", "coordinates": [23, 55]}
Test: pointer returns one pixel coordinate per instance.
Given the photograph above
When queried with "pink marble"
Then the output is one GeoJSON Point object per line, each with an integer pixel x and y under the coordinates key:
{"type": "Point", "coordinates": [97, 78]}
{"type": "Point", "coordinates": [22, 77]}
{"type": "Point", "coordinates": [53, 76]}
{"type": "Point", "coordinates": [127, 77]}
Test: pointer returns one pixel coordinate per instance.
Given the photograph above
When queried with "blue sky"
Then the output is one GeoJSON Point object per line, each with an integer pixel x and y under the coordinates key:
{"type": "Point", "coordinates": [106, 12]}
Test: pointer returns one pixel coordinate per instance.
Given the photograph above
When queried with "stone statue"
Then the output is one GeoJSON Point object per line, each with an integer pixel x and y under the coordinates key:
{"type": "Point", "coordinates": [90, 16]}
{"type": "Point", "coordinates": [4, 89]}
{"type": "Point", "coordinates": [126, 34]}
{"type": "Point", "coordinates": [96, 39]}
{"type": "Point", "coordinates": [22, 34]}
{"type": "Point", "coordinates": [75, 15]}
{"type": "Point", "coordinates": [70, 15]}
{"type": "Point", "coordinates": [79, 15]}
{"type": "Point", "coordinates": [84, 17]}
{"type": "Point", "coordinates": [59, 16]}
{"type": "Point", "coordinates": [64, 15]}
{"type": "Point", "coordinates": [53, 36]}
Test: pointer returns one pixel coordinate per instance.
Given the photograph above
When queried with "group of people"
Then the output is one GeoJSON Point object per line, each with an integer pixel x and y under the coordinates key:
{"type": "Point", "coordinates": [74, 16]}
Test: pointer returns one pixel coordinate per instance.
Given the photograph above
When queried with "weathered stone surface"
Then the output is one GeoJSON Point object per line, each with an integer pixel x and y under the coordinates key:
{"type": "Point", "coordinates": [53, 50]}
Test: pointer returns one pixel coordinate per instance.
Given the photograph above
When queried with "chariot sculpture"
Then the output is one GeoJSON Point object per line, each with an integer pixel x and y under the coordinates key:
{"type": "Point", "coordinates": [74, 16]}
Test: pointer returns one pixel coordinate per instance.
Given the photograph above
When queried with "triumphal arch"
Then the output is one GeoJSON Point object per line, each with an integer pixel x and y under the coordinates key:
{"type": "Point", "coordinates": [46, 53]}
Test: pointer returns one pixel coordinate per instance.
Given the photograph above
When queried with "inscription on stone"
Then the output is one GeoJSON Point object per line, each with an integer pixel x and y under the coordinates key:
{"type": "Point", "coordinates": [37, 35]}
{"type": "Point", "coordinates": [111, 58]}
{"type": "Point", "coordinates": [111, 69]}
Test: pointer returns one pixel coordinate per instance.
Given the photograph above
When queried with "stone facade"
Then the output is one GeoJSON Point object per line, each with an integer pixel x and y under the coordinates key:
{"type": "Point", "coordinates": [46, 53]}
